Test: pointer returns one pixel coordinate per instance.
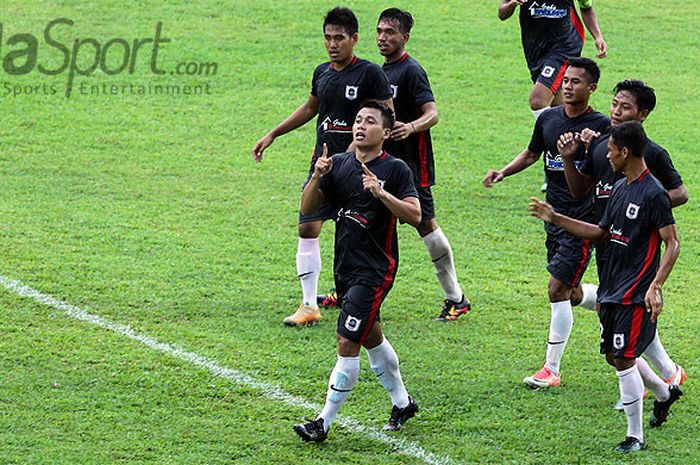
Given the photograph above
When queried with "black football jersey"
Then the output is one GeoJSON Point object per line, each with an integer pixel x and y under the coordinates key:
{"type": "Point", "coordinates": [549, 127]}
{"type": "Point", "coordinates": [340, 94]}
{"type": "Point", "coordinates": [366, 246]}
{"type": "Point", "coordinates": [410, 90]}
{"type": "Point", "coordinates": [634, 214]}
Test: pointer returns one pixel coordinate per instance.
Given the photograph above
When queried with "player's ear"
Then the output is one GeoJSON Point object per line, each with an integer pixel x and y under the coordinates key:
{"type": "Point", "coordinates": [387, 133]}
{"type": "Point", "coordinates": [592, 87]}
{"type": "Point", "coordinates": [353, 38]}
{"type": "Point", "coordinates": [643, 115]}
{"type": "Point", "coordinates": [406, 37]}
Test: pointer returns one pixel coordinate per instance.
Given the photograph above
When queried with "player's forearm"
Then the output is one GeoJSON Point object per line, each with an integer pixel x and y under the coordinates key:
{"type": "Point", "coordinates": [506, 9]}
{"type": "Point", "coordinates": [678, 196]}
{"type": "Point", "coordinates": [426, 121]}
{"type": "Point", "coordinates": [579, 184]}
{"type": "Point", "coordinates": [312, 196]}
{"type": "Point", "coordinates": [579, 228]}
{"type": "Point", "coordinates": [525, 159]}
{"type": "Point", "coordinates": [406, 210]}
{"type": "Point", "coordinates": [300, 117]}
{"type": "Point", "coordinates": [591, 21]}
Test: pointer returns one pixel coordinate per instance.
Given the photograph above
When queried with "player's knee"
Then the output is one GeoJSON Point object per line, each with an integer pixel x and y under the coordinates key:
{"type": "Point", "coordinates": [310, 230]}
{"type": "Point", "coordinates": [576, 295]}
{"type": "Point", "coordinates": [610, 358]}
{"type": "Point", "coordinates": [347, 348]}
{"type": "Point", "coordinates": [558, 291]}
{"type": "Point", "coordinates": [425, 227]}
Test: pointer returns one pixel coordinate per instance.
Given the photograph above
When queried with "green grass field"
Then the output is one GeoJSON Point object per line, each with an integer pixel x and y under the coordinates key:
{"type": "Point", "coordinates": [148, 211]}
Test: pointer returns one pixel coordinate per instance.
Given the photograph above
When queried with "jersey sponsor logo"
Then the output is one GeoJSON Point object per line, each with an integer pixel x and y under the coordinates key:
{"type": "Point", "coordinates": [548, 71]}
{"type": "Point", "coordinates": [545, 10]}
{"type": "Point", "coordinates": [351, 92]}
{"type": "Point", "coordinates": [618, 341]}
{"type": "Point", "coordinates": [355, 216]}
{"type": "Point", "coordinates": [352, 324]}
{"type": "Point", "coordinates": [556, 163]}
{"type": "Point", "coordinates": [603, 191]}
{"type": "Point", "coordinates": [334, 125]}
{"type": "Point", "coordinates": [632, 211]}
{"type": "Point", "coordinates": [394, 90]}
{"type": "Point", "coordinates": [617, 236]}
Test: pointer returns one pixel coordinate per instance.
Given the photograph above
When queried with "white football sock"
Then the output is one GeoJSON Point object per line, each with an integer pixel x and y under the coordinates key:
{"type": "Point", "coordinates": [652, 380]}
{"type": "Point", "coordinates": [657, 355]}
{"type": "Point", "coordinates": [590, 295]}
{"type": "Point", "coordinates": [309, 268]}
{"type": "Point", "coordinates": [441, 254]}
{"type": "Point", "coordinates": [631, 393]}
{"type": "Point", "coordinates": [342, 380]}
{"type": "Point", "coordinates": [385, 364]}
{"type": "Point", "coordinates": [559, 332]}
{"type": "Point", "coordinates": [537, 113]}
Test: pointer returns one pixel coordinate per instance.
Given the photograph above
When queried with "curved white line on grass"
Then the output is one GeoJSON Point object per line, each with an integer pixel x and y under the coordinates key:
{"type": "Point", "coordinates": [270, 390]}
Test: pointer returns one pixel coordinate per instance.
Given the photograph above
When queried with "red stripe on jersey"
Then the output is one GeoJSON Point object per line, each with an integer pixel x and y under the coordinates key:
{"type": "Point", "coordinates": [403, 58]}
{"type": "Point", "coordinates": [643, 175]}
{"type": "Point", "coordinates": [582, 265]}
{"type": "Point", "coordinates": [576, 21]}
{"type": "Point", "coordinates": [381, 291]}
{"type": "Point", "coordinates": [560, 77]}
{"type": "Point", "coordinates": [648, 260]}
{"type": "Point", "coordinates": [354, 60]}
{"type": "Point", "coordinates": [383, 155]}
{"type": "Point", "coordinates": [635, 329]}
{"type": "Point", "coordinates": [423, 159]}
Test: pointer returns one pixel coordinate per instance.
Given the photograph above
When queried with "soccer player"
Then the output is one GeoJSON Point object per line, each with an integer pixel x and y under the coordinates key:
{"type": "Point", "coordinates": [637, 218]}
{"type": "Point", "coordinates": [410, 141]}
{"type": "Point", "coordinates": [373, 190]}
{"type": "Point", "coordinates": [633, 101]}
{"type": "Point", "coordinates": [337, 89]}
{"type": "Point", "coordinates": [551, 33]}
{"type": "Point", "coordinates": [567, 255]}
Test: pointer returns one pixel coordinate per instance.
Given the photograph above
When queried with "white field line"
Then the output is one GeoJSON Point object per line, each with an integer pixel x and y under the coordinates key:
{"type": "Point", "coordinates": [269, 390]}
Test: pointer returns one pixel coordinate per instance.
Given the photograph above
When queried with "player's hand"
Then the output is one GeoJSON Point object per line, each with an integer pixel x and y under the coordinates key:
{"type": "Point", "coordinates": [400, 131]}
{"type": "Point", "coordinates": [654, 302]}
{"type": "Point", "coordinates": [602, 48]}
{"type": "Point", "coordinates": [541, 210]}
{"type": "Point", "coordinates": [587, 136]}
{"type": "Point", "coordinates": [492, 177]}
{"type": "Point", "coordinates": [260, 147]}
{"type": "Point", "coordinates": [568, 144]}
{"type": "Point", "coordinates": [370, 182]}
{"type": "Point", "coordinates": [324, 163]}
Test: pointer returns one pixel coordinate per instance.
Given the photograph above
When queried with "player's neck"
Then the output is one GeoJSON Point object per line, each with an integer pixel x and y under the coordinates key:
{"type": "Point", "coordinates": [394, 57]}
{"type": "Point", "coordinates": [367, 155]}
{"type": "Point", "coordinates": [344, 64]}
{"type": "Point", "coordinates": [573, 110]}
{"type": "Point", "coordinates": [634, 169]}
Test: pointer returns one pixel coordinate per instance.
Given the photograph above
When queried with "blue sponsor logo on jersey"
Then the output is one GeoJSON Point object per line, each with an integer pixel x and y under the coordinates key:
{"type": "Point", "coordinates": [555, 163]}
{"type": "Point", "coordinates": [546, 11]}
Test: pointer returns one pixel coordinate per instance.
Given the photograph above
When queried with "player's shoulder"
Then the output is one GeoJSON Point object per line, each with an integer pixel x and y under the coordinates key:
{"type": "Point", "coordinates": [322, 68]}
{"type": "Point", "coordinates": [654, 150]}
{"type": "Point", "coordinates": [362, 64]}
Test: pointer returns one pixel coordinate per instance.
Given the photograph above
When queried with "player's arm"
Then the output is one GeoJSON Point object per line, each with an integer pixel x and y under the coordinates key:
{"type": "Point", "coordinates": [406, 209]}
{"type": "Point", "coordinates": [300, 117]}
{"type": "Point", "coordinates": [312, 196]}
{"type": "Point", "coordinates": [679, 195]}
{"type": "Point", "coordinates": [427, 119]}
{"type": "Point", "coordinates": [545, 212]}
{"type": "Point", "coordinates": [591, 21]}
{"type": "Point", "coordinates": [526, 158]}
{"type": "Point", "coordinates": [653, 299]}
{"type": "Point", "coordinates": [579, 184]}
{"type": "Point", "coordinates": [507, 8]}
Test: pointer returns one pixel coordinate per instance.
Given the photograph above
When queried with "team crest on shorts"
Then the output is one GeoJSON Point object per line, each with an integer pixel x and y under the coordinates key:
{"type": "Point", "coordinates": [394, 90]}
{"type": "Point", "coordinates": [351, 92]}
{"type": "Point", "coordinates": [352, 323]}
{"type": "Point", "coordinates": [632, 211]}
{"type": "Point", "coordinates": [619, 341]}
{"type": "Point", "coordinates": [548, 71]}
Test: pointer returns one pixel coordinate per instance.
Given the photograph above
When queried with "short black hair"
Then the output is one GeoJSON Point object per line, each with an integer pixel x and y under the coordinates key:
{"type": "Point", "coordinates": [588, 65]}
{"type": "Point", "coordinates": [630, 134]}
{"type": "Point", "coordinates": [343, 17]}
{"type": "Point", "coordinates": [642, 93]}
{"type": "Point", "coordinates": [386, 111]}
{"type": "Point", "coordinates": [403, 18]}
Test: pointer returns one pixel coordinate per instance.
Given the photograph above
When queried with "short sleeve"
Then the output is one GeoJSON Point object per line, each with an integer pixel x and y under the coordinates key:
{"type": "Point", "coordinates": [537, 140]}
{"type": "Point", "coordinates": [314, 81]}
{"type": "Point", "coordinates": [661, 166]}
{"type": "Point", "coordinates": [420, 87]}
{"type": "Point", "coordinates": [660, 214]}
{"type": "Point", "coordinates": [402, 186]}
